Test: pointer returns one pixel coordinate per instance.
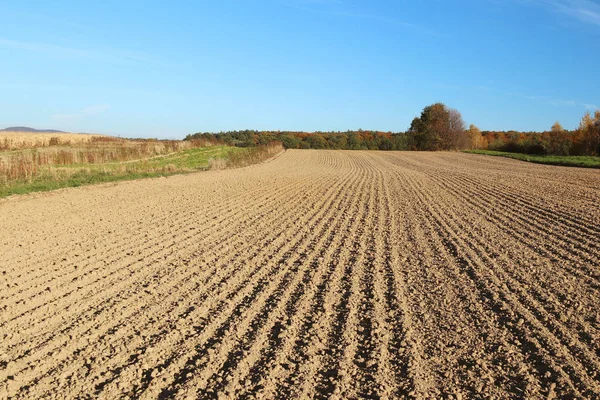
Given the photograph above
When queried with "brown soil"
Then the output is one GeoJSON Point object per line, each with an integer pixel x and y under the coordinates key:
{"type": "Point", "coordinates": [321, 274]}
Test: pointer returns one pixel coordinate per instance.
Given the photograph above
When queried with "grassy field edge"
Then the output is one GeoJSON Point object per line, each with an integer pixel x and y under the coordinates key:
{"type": "Point", "coordinates": [565, 161]}
{"type": "Point", "coordinates": [180, 163]}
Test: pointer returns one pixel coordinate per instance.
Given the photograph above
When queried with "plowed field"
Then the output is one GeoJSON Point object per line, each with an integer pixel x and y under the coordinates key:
{"type": "Point", "coordinates": [319, 274]}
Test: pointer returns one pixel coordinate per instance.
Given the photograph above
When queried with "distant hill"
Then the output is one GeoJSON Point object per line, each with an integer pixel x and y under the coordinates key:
{"type": "Point", "coordinates": [27, 129]}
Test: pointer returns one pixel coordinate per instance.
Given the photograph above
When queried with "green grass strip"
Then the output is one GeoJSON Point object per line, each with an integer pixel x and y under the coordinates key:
{"type": "Point", "coordinates": [566, 161]}
{"type": "Point", "coordinates": [182, 162]}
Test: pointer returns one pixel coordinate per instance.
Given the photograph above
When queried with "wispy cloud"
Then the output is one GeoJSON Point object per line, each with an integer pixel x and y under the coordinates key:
{"type": "Point", "coordinates": [340, 2]}
{"type": "Point", "coordinates": [315, 6]}
{"type": "Point", "coordinates": [45, 48]}
{"type": "Point", "coordinates": [86, 112]}
{"type": "Point", "coordinates": [546, 100]}
{"type": "Point", "coordinates": [375, 17]}
{"type": "Point", "coordinates": [583, 10]}
{"type": "Point", "coordinates": [553, 101]}
{"type": "Point", "coordinates": [343, 9]}
{"type": "Point", "coordinates": [47, 20]}
{"type": "Point", "coordinates": [112, 56]}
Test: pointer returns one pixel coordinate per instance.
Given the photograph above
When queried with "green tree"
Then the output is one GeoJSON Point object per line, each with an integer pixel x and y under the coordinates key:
{"type": "Point", "coordinates": [353, 141]}
{"type": "Point", "coordinates": [317, 141]}
{"type": "Point", "coordinates": [438, 128]}
{"type": "Point", "coordinates": [290, 141]}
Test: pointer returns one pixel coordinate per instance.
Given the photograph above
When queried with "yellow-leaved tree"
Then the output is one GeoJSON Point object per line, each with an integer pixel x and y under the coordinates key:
{"type": "Point", "coordinates": [476, 138]}
{"type": "Point", "coordinates": [589, 132]}
{"type": "Point", "coordinates": [559, 140]}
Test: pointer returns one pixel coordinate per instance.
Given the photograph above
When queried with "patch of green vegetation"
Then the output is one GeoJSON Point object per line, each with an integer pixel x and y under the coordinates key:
{"type": "Point", "coordinates": [192, 159]}
{"type": "Point", "coordinates": [568, 161]}
{"type": "Point", "coordinates": [47, 183]}
{"type": "Point", "coordinates": [63, 176]}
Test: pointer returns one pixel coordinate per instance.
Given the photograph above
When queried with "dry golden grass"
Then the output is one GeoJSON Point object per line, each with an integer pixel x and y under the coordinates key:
{"type": "Point", "coordinates": [36, 159]}
{"type": "Point", "coordinates": [23, 140]}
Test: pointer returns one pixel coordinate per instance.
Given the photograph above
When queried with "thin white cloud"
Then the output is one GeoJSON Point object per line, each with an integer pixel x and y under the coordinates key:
{"type": "Point", "coordinates": [342, 9]}
{"type": "Point", "coordinates": [45, 48]}
{"type": "Point", "coordinates": [94, 110]}
{"type": "Point", "coordinates": [107, 55]}
{"type": "Point", "coordinates": [86, 112]}
{"type": "Point", "coordinates": [374, 17]}
{"type": "Point", "coordinates": [321, 1]}
{"type": "Point", "coordinates": [47, 20]}
{"type": "Point", "coordinates": [584, 10]}
{"type": "Point", "coordinates": [546, 100]}
{"type": "Point", "coordinates": [553, 101]}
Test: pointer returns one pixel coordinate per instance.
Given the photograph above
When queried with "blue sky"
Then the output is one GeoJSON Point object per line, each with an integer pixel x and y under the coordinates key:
{"type": "Point", "coordinates": [166, 69]}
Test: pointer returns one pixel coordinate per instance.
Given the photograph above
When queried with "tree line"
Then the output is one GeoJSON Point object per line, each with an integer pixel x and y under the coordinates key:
{"type": "Point", "coordinates": [585, 140]}
{"type": "Point", "coordinates": [349, 140]}
{"type": "Point", "coordinates": [437, 128]}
